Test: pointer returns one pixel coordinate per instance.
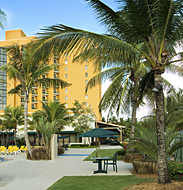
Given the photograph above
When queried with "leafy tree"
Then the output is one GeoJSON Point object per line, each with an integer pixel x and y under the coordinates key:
{"type": "Point", "coordinates": [149, 29]}
{"type": "Point", "coordinates": [12, 118]}
{"type": "Point", "coordinates": [83, 117]}
{"type": "Point", "coordinates": [22, 66]}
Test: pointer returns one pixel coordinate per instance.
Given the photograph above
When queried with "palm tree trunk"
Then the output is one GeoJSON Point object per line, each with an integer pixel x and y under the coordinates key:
{"type": "Point", "coordinates": [134, 109]}
{"type": "Point", "coordinates": [163, 176]}
{"type": "Point", "coordinates": [25, 125]}
{"type": "Point", "coordinates": [15, 135]}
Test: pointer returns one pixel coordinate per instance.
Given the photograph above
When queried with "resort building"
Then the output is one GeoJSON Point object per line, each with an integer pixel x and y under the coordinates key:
{"type": "Point", "coordinates": [78, 74]}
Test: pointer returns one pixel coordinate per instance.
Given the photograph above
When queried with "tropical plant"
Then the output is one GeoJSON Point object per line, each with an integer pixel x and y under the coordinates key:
{"type": "Point", "coordinates": [149, 29]}
{"type": "Point", "coordinates": [83, 118]}
{"type": "Point", "coordinates": [145, 141]}
{"type": "Point", "coordinates": [12, 118]}
{"type": "Point", "coordinates": [54, 112]}
{"type": "Point", "coordinates": [47, 131]}
{"type": "Point", "coordinates": [2, 19]}
{"type": "Point", "coordinates": [29, 73]}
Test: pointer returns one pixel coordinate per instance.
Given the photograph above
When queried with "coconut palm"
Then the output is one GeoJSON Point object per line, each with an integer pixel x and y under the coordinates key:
{"type": "Point", "coordinates": [29, 73]}
{"type": "Point", "coordinates": [151, 29]}
{"type": "Point", "coordinates": [2, 19]}
{"type": "Point", "coordinates": [13, 117]}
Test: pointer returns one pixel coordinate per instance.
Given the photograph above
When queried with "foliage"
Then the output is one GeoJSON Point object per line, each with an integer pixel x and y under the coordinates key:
{"type": "Point", "coordinates": [97, 182]}
{"type": "Point", "coordinates": [2, 19]}
{"type": "Point", "coordinates": [83, 117]}
{"type": "Point", "coordinates": [175, 170]}
{"type": "Point", "coordinates": [39, 153]}
{"type": "Point", "coordinates": [53, 112]}
{"type": "Point", "coordinates": [145, 141]}
{"type": "Point", "coordinates": [20, 140]}
{"type": "Point", "coordinates": [47, 131]}
{"type": "Point", "coordinates": [121, 152]}
{"type": "Point", "coordinates": [13, 116]}
{"type": "Point", "coordinates": [60, 150]}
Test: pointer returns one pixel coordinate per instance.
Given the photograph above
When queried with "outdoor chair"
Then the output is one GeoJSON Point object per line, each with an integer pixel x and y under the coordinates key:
{"type": "Point", "coordinates": [112, 162]}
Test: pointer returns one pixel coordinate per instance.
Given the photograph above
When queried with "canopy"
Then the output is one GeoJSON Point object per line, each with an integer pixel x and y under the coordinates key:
{"type": "Point", "coordinates": [98, 132]}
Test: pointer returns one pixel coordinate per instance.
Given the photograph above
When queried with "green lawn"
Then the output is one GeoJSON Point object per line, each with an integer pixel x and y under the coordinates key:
{"type": "Point", "coordinates": [96, 182]}
{"type": "Point", "coordinates": [103, 153]}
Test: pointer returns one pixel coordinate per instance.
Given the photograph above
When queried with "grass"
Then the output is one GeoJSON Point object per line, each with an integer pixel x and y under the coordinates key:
{"type": "Point", "coordinates": [96, 182]}
{"type": "Point", "coordinates": [103, 152]}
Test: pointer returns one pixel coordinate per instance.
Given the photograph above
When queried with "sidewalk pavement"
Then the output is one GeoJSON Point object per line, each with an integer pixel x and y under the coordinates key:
{"type": "Point", "coordinates": [22, 174]}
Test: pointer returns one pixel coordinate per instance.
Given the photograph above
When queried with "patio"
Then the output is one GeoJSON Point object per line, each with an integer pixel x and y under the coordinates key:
{"type": "Point", "coordinates": [21, 174]}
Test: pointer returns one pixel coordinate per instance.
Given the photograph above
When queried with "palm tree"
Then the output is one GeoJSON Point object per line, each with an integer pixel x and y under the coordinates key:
{"type": "Point", "coordinates": [54, 112]}
{"type": "Point", "coordinates": [29, 72]}
{"type": "Point", "coordinates": [14, 117]}
{"type": "Point", "coordinates": [149, 29]}
{"type": "Point", "coordinates": [2, 19]}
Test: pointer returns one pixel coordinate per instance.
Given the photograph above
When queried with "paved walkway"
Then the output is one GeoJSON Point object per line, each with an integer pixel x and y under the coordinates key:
{"type": "Point", "coordinates": [22, 174]}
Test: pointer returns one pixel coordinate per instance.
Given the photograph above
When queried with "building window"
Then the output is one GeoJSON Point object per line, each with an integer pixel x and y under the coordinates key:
{"type": "Point", "coordinates": [90, 106]}
{"type": "Point", "coordinates": [66, 61]}
{"type": "Point", "coordinates": [66, 68]}
{"type": "Point", "coordinates": [66, 97]}
{"type": "Point", "coordinates": [66, 105]}
{"type": "Point", "coordinates": [66, 76]}
{"type": "Point", "coordinates": [55, 90]}
{"type": "Point", "coordinates": [66, 54]}
{"type": "Point", "coordinates": [55, 61]}
{"type": "Point", "coordinates": [86, 97]}
{"type": "Point", "coordinates": [66, 90]}
{"type": "Point", "coordinates": [44, 98]}
{"type": "Point", "coordinates": [86, 82]}
{"type": "Point", "coordinates": [55, 97]}
{"type": "Point", "coordinates": [86, 104]}
{"type": "Point", "coordinates": [44, 91]}
{"type": "Point", "coordinates": [55, 76]}
{"type": "Point", "coordinates": [86, 60]}
{"type": "Point", "coordinates": [33, 106]}
{"type": "Point", "coordinates": [86, 74]}
{"type": "Point", "coordinates": [86, 67]}
{"type": "Point", "coordinates": [44, 76]}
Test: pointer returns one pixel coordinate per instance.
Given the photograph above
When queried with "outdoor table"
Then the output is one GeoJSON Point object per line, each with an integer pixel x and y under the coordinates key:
{"type": "Point", "coordinates": [99, 161]}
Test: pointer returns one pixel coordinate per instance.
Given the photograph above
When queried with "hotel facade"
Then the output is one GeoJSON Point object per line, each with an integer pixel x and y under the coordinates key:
{"type": "Point", "coordinates": [78, 74]}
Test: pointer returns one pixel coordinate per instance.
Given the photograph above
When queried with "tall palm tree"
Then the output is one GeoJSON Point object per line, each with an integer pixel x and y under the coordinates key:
{"type": "Point", "coordinates": [29, 72]}
{"type": "Point", "coordinates": [149, 29]}
{"type": "Point", "coordinates": [2, 19]}
{"type": "Point", "coordinates": [13, 116]}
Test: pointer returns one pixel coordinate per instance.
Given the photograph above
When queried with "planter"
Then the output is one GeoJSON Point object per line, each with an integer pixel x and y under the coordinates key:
{"type": "Point", "coordinates": [145, 167]}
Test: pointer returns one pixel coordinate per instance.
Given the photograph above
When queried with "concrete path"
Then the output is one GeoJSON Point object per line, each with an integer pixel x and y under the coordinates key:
{"type": "Point", "coordinates": [22, 174]}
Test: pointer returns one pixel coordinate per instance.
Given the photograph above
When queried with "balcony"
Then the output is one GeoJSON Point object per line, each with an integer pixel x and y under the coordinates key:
{"type": "Point", "coordinates": [34, 87]}
{"type": "Point", "coordinates": [45, 93]}
{"type": "Point", "coordinates": [34, 94]}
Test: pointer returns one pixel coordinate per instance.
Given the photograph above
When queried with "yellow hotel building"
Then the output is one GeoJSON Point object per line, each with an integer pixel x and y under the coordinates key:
{"type": "Point", "coordinates": [75, 73]}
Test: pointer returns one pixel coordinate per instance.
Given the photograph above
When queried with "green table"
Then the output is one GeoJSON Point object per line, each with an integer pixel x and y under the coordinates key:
{"type": "Point", "coordinates": [99, 161]}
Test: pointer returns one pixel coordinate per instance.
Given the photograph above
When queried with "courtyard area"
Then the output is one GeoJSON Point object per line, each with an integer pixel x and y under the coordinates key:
{"type": "Point", "coordinates": [20, 174]}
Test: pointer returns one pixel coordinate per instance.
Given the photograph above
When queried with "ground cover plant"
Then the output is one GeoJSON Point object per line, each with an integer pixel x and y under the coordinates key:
{"type": "Point", "coordinates": [96, 182]}
{"type": "Point", "coordinates": [103, 152]}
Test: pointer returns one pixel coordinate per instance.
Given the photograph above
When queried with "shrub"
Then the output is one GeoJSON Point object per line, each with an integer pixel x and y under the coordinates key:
{"type": "Point", "coordinates": [176, 170]}
{"type": "Point", "coordinates": [39, 153]}
{"type": "Point", "coordinates": [60, 150]}
{"type": "Point", "coordinates": [121, 152]}
{"type": "Point", "coordinates": [79, 145]}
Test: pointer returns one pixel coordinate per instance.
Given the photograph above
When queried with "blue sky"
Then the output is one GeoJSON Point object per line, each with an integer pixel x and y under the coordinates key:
{"type": "Point", "coordinates": [31, 15]}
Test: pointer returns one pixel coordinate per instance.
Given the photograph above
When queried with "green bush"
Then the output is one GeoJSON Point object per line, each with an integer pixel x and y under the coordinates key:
{"type": "Point", "coordinates": [60, 150]}
{"type": "Point", "coordinates": [121, 152]}
{"type": "Point", "coordinates": [176, 170]}
{"type": "Point", "coordinates": [79, 145]}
